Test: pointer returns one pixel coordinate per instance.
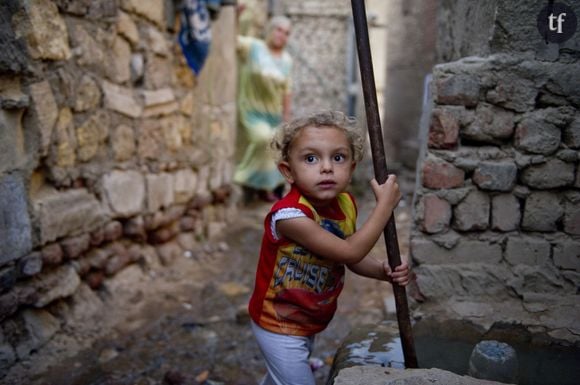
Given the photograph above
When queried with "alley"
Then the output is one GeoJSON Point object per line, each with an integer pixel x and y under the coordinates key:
{"type": "Point", "coordinates": [192, 327]}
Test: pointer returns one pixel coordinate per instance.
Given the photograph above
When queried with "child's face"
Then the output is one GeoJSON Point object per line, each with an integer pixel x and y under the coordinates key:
{"type": "Point", "coordinates": [320, 163]}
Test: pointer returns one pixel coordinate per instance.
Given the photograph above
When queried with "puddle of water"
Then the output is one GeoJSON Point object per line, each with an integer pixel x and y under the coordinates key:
{"type": "Point", "coordinates": [448, 346]}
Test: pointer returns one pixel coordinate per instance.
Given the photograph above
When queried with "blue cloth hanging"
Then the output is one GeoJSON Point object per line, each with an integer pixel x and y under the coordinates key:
{"type": "Point", "coordinates": [195, 33]}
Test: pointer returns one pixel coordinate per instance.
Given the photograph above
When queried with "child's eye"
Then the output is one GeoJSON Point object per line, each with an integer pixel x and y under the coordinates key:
{"type": "Point", "coordinates": [310, 158]}
{"type": "Point", "coordinates": [339, 158]}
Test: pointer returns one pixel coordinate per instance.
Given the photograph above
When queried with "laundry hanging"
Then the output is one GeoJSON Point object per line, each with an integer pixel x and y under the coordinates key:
{"type": "Point", "coordinates": [195, 33]}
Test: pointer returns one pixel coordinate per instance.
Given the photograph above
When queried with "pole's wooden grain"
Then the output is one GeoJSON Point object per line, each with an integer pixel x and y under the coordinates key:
{"type": "Point", "coordinates": [381, 172]}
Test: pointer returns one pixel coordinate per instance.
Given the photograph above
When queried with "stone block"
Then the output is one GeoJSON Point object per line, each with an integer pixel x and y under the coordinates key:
{"type": "Point", "coordinates": [171, 128]}
{"type": "Point", "coordinates": [161, 109]}
{"type": "Point", "coordinates": [67, 213]}
{"type": "Point", "coordinates": [567, 254]}
{"type": "Point", "coordinates": [538, 279]}
{"type": "Point", "coordinates": [44, 113]}
{"type": "Point", "coordinates": [184, 184]}
{"type": "Point", "coordinates": [436, 214]}
{"type": "Point", "coordinates": [571, 134]}
{"type": "Point", "coordinates": [552, 174]}
{"type": "Point", "coordinates": [458, 89]}
{"type": "Point", "coordinates": [125, 191]}
{"type": "Point", "coordinates": [572, 218]}
{"type": "Point", "coordinates": [44, 30]}
{"type": "Point", "coordinates": [7, 357]}
{"type": "Point", "coordinates": [74, 247]}
{"type": "Point", "coordinates": [127, 28]}
{"type": "Point", "coordinates": [88, 95]}
{"type": "Point", "coordinates": [64, 147]}
{"type": "Point", "coordinates": [121, 99]}
{"type": "Point", "coordinates": [30, 265]}
{"type": "Point", "coordinates": [527, 251]}
{"type": "Point", "coordinates": [496, 175]}
{"type": "Point", "coordinates": [444, 128]}
{"type": "Point", "coordinates": [425, 251]}
{"type": "Point", "coordinates": [505, 212]}
{"type": "Point", "coordinates": [159, 72]}
{"type": "Point", "coordinates": [156, 97]}
{"type": "Point", "coordinates": [123, 142]}
{"type": "Point", "coordinates": [39, 327]}
{"type": "Point", "coordinates": [11, 95]}
{"type": "Point", "coordinates": [513, 93]}
{"type": "Point", "coordinates": [542, 210]}
{"type": "Point", "coordinates": [156, 41]}
{"type": "Point", "coordinates": [52, 254]}
{"type": "Point", "coordinates": [439, 174]}
{"type": "Point", "coordinates": [152, 10]}
{"type": "Point", "coordinates": [159, 191]}
{"type": "Point", "coordinates": [536, 136]}
{"type": "Point", "coordinates": [15, 226]}
{"type": "Point", "coordinates": [150, 143]}
{"type": "Point", "coordinates": [118, 67]}
{"type": "Point", "coordinates": [169, 252]}
{"type": "Point", "coordinates": [90, 51]}
{"type": "Point", "coordinates": [491, 124]}
{"type": "Point", "coordinates": [12, 154]}
{"type": "Point", "coordinates": [113, 231]}
{"type": "Point", "coordinates": [472, 213]}
{"type": "Point", "coordinates": [91, 135]}
{"type": "Point", "coordinates": [58, 283]}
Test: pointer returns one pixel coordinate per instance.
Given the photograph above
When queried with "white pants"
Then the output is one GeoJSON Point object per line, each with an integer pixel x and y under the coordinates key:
{"type": "Point", "coordinates": [286, 357]}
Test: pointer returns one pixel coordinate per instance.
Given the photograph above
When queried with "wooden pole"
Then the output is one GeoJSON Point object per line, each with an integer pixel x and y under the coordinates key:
{"type": "Point", "coordinates": [381, 173]}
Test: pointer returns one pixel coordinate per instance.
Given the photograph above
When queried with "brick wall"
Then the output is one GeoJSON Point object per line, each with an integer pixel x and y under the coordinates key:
{"type": "Point", "coordinates": [497, 206]}
{"type": "Point", "coordinates": [112, 154]}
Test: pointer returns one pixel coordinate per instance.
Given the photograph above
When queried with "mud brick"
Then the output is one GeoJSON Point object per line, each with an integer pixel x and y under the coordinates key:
{"type": "Point", "coordinates": [440, 174]}
{"type": "Point", "coordinates": [52, 254]}
{"type": "Point", "coordinates": [74, 247]}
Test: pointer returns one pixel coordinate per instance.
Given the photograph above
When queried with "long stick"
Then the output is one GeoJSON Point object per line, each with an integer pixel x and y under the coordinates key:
{"type": "Point", "coordinates": [381, 173]}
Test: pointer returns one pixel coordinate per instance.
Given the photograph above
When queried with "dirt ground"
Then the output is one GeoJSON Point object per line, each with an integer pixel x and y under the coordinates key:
{"type": "Point", "coordinates": [187, 324]}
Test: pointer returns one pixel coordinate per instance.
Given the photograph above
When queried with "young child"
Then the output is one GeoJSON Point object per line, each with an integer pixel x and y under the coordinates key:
{"type": "Point", "coordinates": [309, 237]}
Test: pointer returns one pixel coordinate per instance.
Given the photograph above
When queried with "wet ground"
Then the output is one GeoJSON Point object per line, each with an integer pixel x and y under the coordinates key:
{"type": "Point", "coordinates": [195, 330]}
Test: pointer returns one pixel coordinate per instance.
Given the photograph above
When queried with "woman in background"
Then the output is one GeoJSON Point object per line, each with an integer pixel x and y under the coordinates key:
{"type": "Point", "coordinates": [264, 93]}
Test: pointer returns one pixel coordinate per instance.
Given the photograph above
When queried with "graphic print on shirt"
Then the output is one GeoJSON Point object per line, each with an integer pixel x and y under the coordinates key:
{"type": "Point", "coordinates": [310, 286]}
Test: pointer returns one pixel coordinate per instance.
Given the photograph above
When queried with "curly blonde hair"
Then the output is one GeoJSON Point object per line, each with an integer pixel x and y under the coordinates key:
{"type": "Point", "coordinates": [286, 133]}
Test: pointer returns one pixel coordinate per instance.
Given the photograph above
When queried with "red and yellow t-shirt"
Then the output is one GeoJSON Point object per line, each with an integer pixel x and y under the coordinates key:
{"type": "Point", "coordinates": [296, 291]}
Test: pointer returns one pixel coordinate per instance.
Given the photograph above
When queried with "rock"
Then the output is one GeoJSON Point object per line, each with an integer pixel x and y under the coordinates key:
{"type": "Point", "coordinates": [378, 375]}
{"type": "Point", "coordinates": [493, 360]}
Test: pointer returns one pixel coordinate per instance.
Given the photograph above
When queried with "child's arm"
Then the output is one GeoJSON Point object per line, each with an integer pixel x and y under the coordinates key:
{"type": "Point", "coordinates": [352, 250]}
{"type": "Point", "coordinates": [372, 268]}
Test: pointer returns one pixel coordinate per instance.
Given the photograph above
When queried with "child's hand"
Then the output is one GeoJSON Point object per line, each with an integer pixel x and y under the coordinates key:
{"type": "Point", "coordinates": [387, 193]}
{"type": "Point", "coordinates": [401, 274]}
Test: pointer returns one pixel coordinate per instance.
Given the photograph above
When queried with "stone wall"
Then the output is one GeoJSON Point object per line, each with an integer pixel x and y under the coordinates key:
{"type": "Point", "coordinates": [318, 45]}
{"type": "Point", "coordinates": [497, 207]}
{"type": "Point", "coordinates": [112, 154]}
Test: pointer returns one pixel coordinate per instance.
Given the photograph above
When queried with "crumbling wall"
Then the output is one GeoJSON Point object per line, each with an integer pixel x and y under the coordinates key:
{"type": "Point", "coordinates": [497, 207]}
{"type": "Point", "coordinates": [114, 157]}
